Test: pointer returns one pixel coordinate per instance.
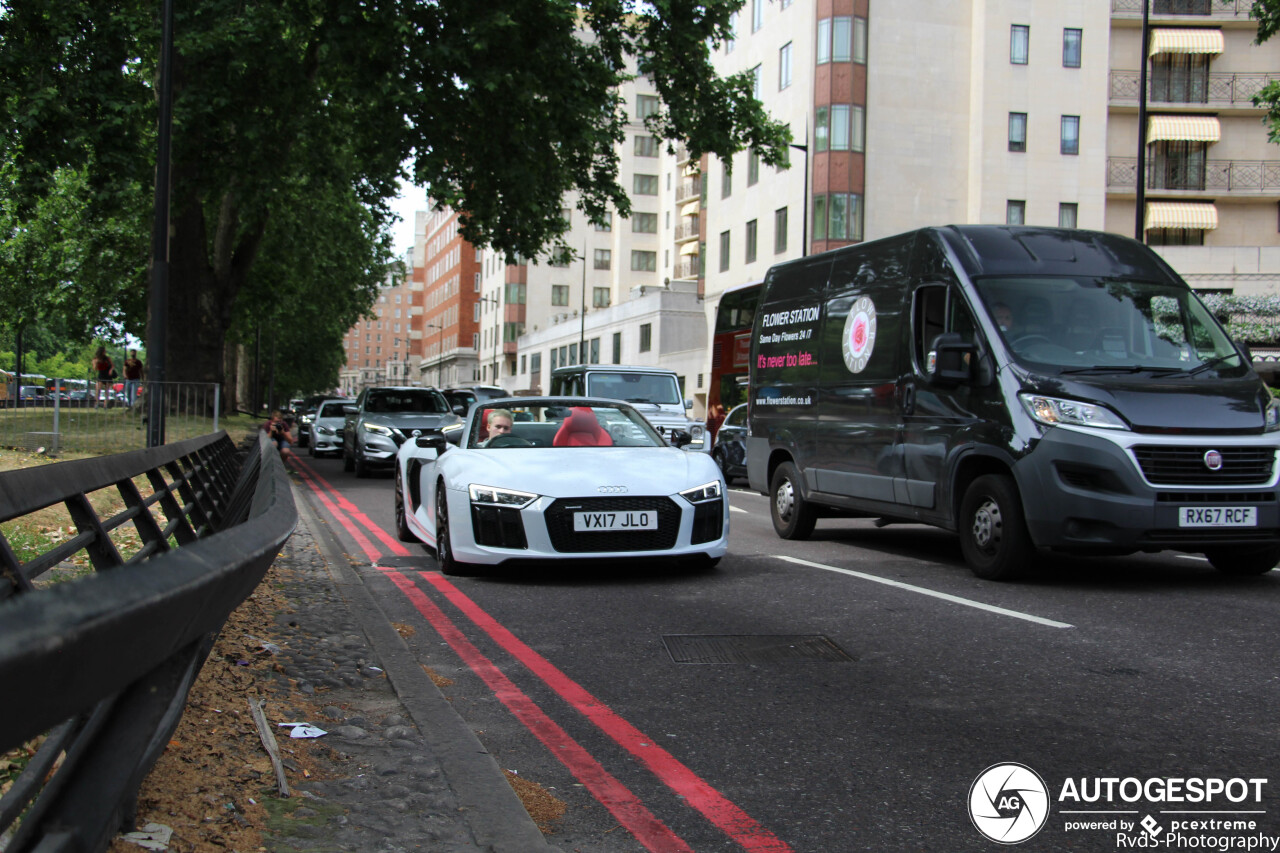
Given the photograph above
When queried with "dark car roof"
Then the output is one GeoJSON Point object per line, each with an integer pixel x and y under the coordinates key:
{"type": "Point", "coordinates": [993, 250]}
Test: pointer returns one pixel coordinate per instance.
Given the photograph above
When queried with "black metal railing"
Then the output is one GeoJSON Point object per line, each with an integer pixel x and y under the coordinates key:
{"type": "Point", "coordinates": [1216, 89]}
{"type": "Point", "coordinates": [101, 665]}
{"type": "Point", "coordinates": [1203, 8]}
{"type": "Point", "coordinates": [1216, 176]}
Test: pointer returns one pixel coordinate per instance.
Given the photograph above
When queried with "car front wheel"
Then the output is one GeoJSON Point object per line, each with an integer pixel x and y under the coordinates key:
{"type": "Point", "coordinates": [993, 534]}
{"type": "Point", "coordinates": [793, 516]}
{"type": "Point", "coordinates": [723, 465]}
{"type": "Point", "coordinates": [449, 564]}
{"type": "Point", "coordinates": [361, 467]}
{"type": "Point", "coordinates": [348, 461]}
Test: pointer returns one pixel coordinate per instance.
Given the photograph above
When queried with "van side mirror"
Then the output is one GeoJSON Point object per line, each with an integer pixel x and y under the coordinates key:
{"type": "Point", "coordinates": [1245, 352]}
{"type": "Point", "coordinates": [950, 359]}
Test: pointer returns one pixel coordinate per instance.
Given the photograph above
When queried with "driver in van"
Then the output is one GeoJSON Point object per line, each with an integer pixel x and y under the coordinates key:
{"type": "Point", "coordinates": [1004, 317]}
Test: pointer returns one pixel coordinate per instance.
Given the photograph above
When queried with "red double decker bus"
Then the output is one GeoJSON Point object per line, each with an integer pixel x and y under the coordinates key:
{"type": "Point", "coordinates": [731, 345]}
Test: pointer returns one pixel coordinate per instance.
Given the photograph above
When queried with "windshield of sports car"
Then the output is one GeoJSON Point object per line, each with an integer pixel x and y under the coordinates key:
{"type": "Point", "coordinates": [562, 424]}
{"type": "Point", "coordinates": [421, 401]}
{"type": "Point", "coordinates": [657, 388]}
{"type": "Point", "coordinates": [1096, 326]}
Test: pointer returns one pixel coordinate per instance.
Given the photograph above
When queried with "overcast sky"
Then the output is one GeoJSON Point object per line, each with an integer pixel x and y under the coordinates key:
{"type": "Point", "coordinates": [411, 200]}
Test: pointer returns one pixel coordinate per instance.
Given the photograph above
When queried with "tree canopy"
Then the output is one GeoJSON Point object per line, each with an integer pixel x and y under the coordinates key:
{"type": "Point", "coordinates": [292, 119]}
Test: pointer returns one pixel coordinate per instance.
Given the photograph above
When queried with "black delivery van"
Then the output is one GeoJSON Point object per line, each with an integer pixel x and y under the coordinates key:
{"type": "Point", "coordinates": [1025, 387]}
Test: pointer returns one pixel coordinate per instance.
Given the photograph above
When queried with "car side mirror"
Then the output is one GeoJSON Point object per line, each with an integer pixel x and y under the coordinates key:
{"type": "Point", "coordinates": [679, 437]}
{"type": "Point", "coordinates": [950, 359]}
{"type": "Point", "coordinates": [434, 441]}
{"type": "Point", "coordinates": [688, 404]}
{"type": "Point", "coordinates": [459, 409]}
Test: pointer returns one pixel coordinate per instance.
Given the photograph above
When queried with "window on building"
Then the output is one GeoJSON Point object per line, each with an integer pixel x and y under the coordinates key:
{"type": "Point", "coordinates": [607, 225]}
{"type": "Point", "coordinates": [603, 259]}
{"type": "Point", "coordinates": [1072, 41]}
{"type": "Point", "coordinates": [646, 105]}
{"type": "Point", "coordinates": [726, 178]}
{"type": "Point", "coordinates": [1015, 212]}
{"type": "Point", "coordinates": [1180, 78]}
{"type": "Point", "coordinates": [516, 293]}
{"type": "Point", "coordinates": [839, 127]}
{"type": "Point", "coordinates": [780, 231]}
{"type": "Point", "coordinates": [733, 33]}
{"type": "Point", "coordinates": [594, 356]}
{"type": "Point", "coordinates": [757, 82]}
{"type": "Point", "coordinates": [753, 168]}
{"type": "Point", "coordinates": [821, 128]}
{"type": "Point", "coordinates": [617, 347]}
{"type": "Point", "coordinates": [524, 363]}
{"type": "Point", "coordinates": [751, 241]}
{"type": "Point", "coordinates": [645, 184]}
{"type": "Point", "coordinates": [642, 261]}
{"type": "Point", "coordinates": [1017, 131]}
{"type": "Point", "coordinates": [823, 53]}
{"type": "Point", "coordinates": [646, 146]}
{"type": "Point", "coordinates": [1068, 214]}
{"type": "Point", "coordinates": [841, 39]}
{"type": "Point", "coordinates": [784, 66]}
{"type": "Point", "coordinates": [1175, 237]}
{"type": "Point", "coordinates": [600, 297]}
{"type": "Point", "coordinates": [724, 251]}
{"type": "Point", "coordinates": [1070, 135]}
{"type": "Point", "coordinates": [644, 223]}
{"type": "Point", "coordinates": [646, 337]}
{"type": "Point", "coordinates": [757, 15]}
{"type": "Point", "coordinates": [560, 294]}
{"type": "Point", "coordinates": [1177, 165]}
{"type": "Point", "coordinates": [1019, 43]}
{"type": "Point", "coordinates": [860, 41]}
{"type": "Point", "coordinates": [535, 363]}
{"type": "Point", "coordinates": [837, 216]}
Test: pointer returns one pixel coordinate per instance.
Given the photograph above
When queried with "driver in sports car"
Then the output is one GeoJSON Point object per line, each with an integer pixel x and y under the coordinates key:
{"type": "Point", "coordinates": [500, 421]}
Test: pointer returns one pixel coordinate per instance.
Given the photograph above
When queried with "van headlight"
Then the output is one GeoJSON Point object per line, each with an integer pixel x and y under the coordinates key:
{"type": "Point", "coordinates": [1272, 415]}
{"type": "Point", "coordinates": [1055, 411]}
{"type": "Point", "coordinates": [702, 494]}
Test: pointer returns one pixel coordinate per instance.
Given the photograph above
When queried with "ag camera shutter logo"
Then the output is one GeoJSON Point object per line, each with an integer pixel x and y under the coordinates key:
{"type": "Point", "coordinates": [1008, 803]}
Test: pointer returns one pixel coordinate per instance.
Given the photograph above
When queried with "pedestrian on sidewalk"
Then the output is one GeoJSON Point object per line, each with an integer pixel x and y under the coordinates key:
{"type": "Point", "coordinates": [134, 371]}
{"type": "Point", "coordinates": [106, 374]}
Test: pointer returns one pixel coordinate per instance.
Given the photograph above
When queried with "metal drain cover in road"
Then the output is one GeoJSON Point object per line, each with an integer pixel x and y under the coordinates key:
{"type": "Point", "coordinates": [752, 648]}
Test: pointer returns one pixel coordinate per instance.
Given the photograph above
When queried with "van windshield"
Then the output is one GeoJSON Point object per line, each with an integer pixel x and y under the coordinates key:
{"type": "Point", "coordinates": [657, 388]}
{"type": "Point", "coordinates": [1083, 325]}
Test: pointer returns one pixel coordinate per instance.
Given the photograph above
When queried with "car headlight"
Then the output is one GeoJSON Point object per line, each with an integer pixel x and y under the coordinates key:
{"type": "Point", "coordinates": [500, 497]}
{"type": "Point", "coordinates": [696, 431]}
{"type": "Point", "coordinates": [701, 494]}
{"type": "Point", "coordinates": [1055, 411]}
{"type": "Point", "coordinates": [1272, 415]}
{"type": "Point", "coordinates": [306, 419]}
{"type": "Point", "coordinates": [378, 429]}
{"type": "Point", "coordinates": [324, 430]}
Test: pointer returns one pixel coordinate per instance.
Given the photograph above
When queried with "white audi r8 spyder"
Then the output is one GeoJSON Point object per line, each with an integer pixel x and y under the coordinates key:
{"type": "Point", "coordinates": [531, 480]}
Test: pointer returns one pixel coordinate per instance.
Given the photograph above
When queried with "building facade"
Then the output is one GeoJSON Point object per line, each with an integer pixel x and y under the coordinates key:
{"type": "Point", "coordinates": [383, 350]}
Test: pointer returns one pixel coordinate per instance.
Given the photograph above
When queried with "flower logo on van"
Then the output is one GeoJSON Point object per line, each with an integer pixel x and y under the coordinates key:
{"type": "Point", "coordinates": [859, 334]}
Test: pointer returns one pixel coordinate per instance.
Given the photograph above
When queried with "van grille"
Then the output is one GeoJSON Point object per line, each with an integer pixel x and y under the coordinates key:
{"type": "Point", "coordinates": [1167, 465]}
{"type": "Point", "coordinates": [559, 518]}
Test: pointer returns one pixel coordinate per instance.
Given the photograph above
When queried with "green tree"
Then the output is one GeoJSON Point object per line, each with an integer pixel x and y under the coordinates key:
{"type": "Point", "coordinates": [500, 106]}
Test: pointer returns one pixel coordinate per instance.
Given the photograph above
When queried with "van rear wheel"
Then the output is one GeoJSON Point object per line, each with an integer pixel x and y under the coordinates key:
{"type": "Point", "coordinates": [993, 533]}
{"type": "Point", "coordinates": [1244, 560]}
{"type": "Point", "coordinates": [793, 516]}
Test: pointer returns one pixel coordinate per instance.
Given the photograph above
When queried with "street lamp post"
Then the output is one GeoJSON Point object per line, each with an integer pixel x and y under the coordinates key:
{"type": "Point", "coordinates": [1140, 201]}
{"type": "Point", "coordinates": [496, 333]}
{"type": "Point", "coordinates": [440, 354]}
{"type": "Point", "coordinates": [804, 213]}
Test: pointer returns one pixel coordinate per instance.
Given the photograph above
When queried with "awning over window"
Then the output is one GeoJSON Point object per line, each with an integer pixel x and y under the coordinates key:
{"type": "Point", "coordinates": [1180, 214]}
{"type": "Point", "coordinates": [690, 248]}
{"type": "Point", "coordinates": [1184, 128]}
{"type": "Point", "coordinates": [1165, 40]}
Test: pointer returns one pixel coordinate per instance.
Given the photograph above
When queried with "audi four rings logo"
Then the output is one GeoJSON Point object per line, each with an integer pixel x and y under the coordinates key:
{"type": "Point", "coordinates": [1009, 803]}
{"type": "Point", "coordinates": [611, 490]}
{"type": "Point", "coordinates": [1213, 460]}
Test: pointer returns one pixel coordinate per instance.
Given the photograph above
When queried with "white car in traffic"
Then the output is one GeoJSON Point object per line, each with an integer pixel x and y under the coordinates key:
{"type": "Point", "coordinates": [558, 478]}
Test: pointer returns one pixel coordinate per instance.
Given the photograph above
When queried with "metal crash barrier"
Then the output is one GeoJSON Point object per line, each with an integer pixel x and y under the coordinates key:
{"type": "Point", "coordinates": [101, 664]}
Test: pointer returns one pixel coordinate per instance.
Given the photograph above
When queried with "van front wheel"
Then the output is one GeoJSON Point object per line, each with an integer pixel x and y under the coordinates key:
{"type": "Point", "coordinates": [793, 516]}
{"type": "Point", "coordinates": [1244, 560]}
{"type": "Point", "coordinates": [993, 534]}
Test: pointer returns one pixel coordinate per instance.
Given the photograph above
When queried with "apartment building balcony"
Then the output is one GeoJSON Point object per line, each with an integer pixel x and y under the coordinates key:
{"type": "Point", "coordinates": [688, 230]}
{"type": "Point", "coordinates": [687, 267]}
{"type": "Point", "coordinates": [1212, 177]}
{"type": "Point", "coordinates": [689, 188]}
{"type": "Point", "coordinates": [1215, 10]}
{"type": "Point", "coordinates": [682, 154]}
{"type": "Point", "coordinates": [1218, 89]}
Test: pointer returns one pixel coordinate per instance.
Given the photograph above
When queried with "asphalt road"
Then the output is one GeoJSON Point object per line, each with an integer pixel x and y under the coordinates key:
{"type": "Point", "coordinates": [846, 693]}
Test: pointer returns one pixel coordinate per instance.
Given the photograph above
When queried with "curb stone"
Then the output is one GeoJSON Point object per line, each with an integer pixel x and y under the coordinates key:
{"type": "Point", "coordinates": [412, 775]}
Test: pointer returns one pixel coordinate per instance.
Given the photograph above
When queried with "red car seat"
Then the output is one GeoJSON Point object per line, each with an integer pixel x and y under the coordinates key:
{"type": "Point", "coordinates": [581, 429]}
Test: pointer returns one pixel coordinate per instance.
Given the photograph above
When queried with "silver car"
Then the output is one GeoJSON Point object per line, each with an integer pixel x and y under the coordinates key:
{"type": "Point", "coordinates": [381, 419]}
{"type": "Point", "coordinates": [326, 427]}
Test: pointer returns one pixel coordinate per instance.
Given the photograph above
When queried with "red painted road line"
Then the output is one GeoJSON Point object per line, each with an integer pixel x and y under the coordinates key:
{"type": "Point", "coordinates": [310, 478]}
{"type": "Point", "coordinates": [392, 544]}
{"type": "Point", "coordinates": [732, 820]}
{"type": "Point", "coordinates": [655, 835]}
